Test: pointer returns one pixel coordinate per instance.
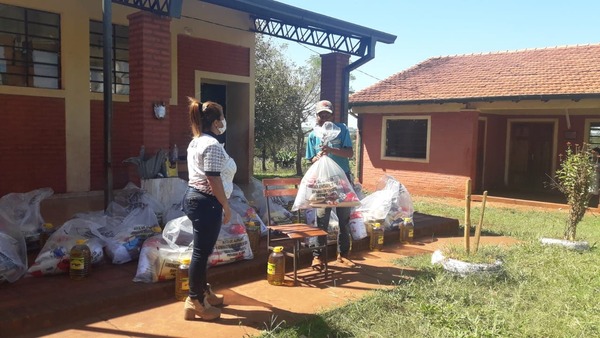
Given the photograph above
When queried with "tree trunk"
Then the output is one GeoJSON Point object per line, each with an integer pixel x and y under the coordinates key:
{"type": "Point", "coordinates": [299, 156]}
{"type": "Point", "coordinates": [264, 158]}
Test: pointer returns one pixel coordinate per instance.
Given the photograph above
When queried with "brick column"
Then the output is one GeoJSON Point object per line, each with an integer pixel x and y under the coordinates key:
{"type": "Point", "coordinates": [332, 67]}
{"type": "Point", "coordinates": [150, 81]}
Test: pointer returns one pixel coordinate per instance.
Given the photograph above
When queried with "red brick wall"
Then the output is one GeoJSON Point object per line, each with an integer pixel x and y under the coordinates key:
{"type": "Point", "coordinates": [32, 144]}
{"type": "Point", "coordinates": [332, 69]}
{"type": "Point", "coordinates": [203, 55]}
{"type": "Point", "coordinates": [120, 146]}
{"type": "Point", "coordinates": [451, 159]}
{"type": "Point", "coordinates": [150, 81]}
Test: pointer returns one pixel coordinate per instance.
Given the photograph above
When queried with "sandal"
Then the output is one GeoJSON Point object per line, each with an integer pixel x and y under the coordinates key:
{"type": "Point", "coordinates": [317, 264]}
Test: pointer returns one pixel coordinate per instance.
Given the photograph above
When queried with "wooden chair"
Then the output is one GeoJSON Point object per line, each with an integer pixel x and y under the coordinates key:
{"type": "Point", "coordinates": [296, 232]}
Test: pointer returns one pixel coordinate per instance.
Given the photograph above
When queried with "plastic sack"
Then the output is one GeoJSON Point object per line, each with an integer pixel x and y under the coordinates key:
{"type": "Point", "coordinates": [227, 175]}
{"type": "Point", "coordinates": [23, 210]}
{"type": "Point", "coordinates": [247, 212]}
{"type": "Point", "coordinates": [257, 197]}
{"type": "Point", "coordinates": [158, 261]}
{"type": "Point", "coordinates": [178, 232]}
{"type": "Point", "coordinates": [132, 197]}
{"type": "Point", "coordinates": [401, 210]}
{"type": "Point", "coordinates": [357, 226]}
{"type": "Point", "coordinates": [124, 242]}
{"type": "Point", "coordinates": [324, 182]}
{"type": "Point", "coordinates": [173, 212]}
{"type": "Point", "coordinates": [54, 256]}
{"type": "Point", "coordinates": [327, 132]}
{"type": "Point", "coordinates": [233, 243]}
{"type": "Point", "coordinates": [13, 252]}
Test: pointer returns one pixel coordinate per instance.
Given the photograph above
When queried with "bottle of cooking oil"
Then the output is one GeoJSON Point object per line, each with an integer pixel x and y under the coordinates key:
{"type": "Point", "coordinates": [376, 237]}
{"type": "Point", "coordinates": [276, 266]}
{"type": "Point", "coordinates": [81, 260]}
{"type": "Point", "coordinates": [253, 232]}
{"type": "Point", "coordinates": [182, 280]}
{"type": "Point", "coordinates": [47, 230]}
{"type": "Point", "coordinates": [407, 232]}
{"type": "Point", "coordinates": [402, 227]}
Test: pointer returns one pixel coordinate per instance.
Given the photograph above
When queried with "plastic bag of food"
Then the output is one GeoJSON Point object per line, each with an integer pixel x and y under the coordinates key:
{"type": "Point", "coordinates": [23, 210]}
{"type": "Point", "coordinates": [158, 261]}
{"type": "Point", "coordinates": [124, 242]}
{"type": "Point", "coordinates": [324, 182]}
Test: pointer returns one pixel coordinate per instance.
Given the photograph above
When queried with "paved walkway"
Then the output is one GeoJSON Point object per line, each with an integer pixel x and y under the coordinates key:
{"type": "Point", "coordinates": [254, 305]}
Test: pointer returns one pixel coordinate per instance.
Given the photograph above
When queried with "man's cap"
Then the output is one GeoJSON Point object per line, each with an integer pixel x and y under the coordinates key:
{"type": "Point", "coordinates": [324, 105]}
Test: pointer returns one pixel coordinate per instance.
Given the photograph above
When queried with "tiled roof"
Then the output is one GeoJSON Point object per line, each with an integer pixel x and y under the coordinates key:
{"type": "Point", "coordinates": [567, 70]}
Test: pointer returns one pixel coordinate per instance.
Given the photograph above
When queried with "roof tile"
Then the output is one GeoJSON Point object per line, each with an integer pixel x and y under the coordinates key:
{"type": "Point", "coordinates": [548, 71]}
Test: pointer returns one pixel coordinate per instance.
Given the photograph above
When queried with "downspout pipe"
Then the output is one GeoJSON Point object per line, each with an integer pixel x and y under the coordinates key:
{"type": "Point", "coordinates": [346, 93]}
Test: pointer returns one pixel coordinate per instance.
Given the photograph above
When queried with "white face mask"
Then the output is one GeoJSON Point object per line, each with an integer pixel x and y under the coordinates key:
{"type": "Point", "coordinates": [222, 129]}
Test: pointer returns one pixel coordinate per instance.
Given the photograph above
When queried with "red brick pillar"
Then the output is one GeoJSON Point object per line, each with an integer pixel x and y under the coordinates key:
{"type": "Point", "coordinates": [150, 81]}
{"type": "Point", "coordinates": [332, 68]}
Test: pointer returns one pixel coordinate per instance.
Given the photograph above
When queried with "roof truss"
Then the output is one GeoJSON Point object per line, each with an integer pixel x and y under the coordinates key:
{"type": "Point", "coordinates": [170, 8]}
{"type": "Point", "coordinates": [345, 43]}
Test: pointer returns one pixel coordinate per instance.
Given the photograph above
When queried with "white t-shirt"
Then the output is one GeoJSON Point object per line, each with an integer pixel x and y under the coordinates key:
{"type": "Point", "coordinates": [205, 157]}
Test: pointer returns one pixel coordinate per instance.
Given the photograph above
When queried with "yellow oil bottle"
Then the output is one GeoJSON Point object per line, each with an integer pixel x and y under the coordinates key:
{"type": "Point", "coordinates": [276, 266]}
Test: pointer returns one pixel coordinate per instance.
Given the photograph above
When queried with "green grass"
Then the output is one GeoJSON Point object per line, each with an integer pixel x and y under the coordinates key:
{"type": "Point", "coordinates": [544, 291]}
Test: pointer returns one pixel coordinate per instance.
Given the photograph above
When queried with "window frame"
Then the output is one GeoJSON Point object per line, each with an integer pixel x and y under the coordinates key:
{"type": "Point", "coordinates": [384, 137]}
{"type": "Point", "coordinates": [116, 50]}
{"type": "Point", "coordinates": [586, 133]}
{"type": "Point", "coordinates": [26, 46]}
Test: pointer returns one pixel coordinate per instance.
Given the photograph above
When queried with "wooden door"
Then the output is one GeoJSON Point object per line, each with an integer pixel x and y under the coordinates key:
{"type": "Point", "coordinates": [530, 160]}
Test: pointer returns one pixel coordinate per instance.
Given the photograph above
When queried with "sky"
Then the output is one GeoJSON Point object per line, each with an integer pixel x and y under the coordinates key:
{"type": "Point", "coordinates": [431, 28]}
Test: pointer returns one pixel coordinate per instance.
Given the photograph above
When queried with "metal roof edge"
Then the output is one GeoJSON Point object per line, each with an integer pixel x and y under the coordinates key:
{"type": "Point", "coordinates": [278, 10]}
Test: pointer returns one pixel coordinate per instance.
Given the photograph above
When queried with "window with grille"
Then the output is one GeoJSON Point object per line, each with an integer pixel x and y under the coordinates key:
{"type": "Point", "coordinates": [406, 137]}
{"type": "Point", "coordinates": [29, 48]}
{"type": "Point", "coordinates": [594, 134]}
{"type": "Point", "coordinates": [120, 56]}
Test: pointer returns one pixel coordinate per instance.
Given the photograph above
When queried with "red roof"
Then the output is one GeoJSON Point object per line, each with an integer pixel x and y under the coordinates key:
{"type": "Point", "coordinates": [567, 70]}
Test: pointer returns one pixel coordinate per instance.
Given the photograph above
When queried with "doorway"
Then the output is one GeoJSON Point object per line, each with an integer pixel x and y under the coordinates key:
{"type": "Point", "coordinates": [531, 149]}
{"type": "Point", "coordinates": [216, 93]}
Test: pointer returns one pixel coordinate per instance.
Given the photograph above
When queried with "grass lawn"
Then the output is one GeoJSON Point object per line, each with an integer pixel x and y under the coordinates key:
{"type": "Point", "coordinates": [544, 291]}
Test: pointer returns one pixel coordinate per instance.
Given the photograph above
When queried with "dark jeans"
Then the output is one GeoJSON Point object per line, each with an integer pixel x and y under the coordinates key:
{"type": "Point", "coordinates": [343, 241]}
{"type": "Point", "coordinates": [343, 214]}
{"type": "Point", "coordinates": [206, 214]}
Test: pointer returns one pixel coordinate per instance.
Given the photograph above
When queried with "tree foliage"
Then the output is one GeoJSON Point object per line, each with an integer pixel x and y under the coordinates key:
{"type": "Point", "coordinates": [285, 94]}
{"type": "Point", "coordinates": [574, 179]}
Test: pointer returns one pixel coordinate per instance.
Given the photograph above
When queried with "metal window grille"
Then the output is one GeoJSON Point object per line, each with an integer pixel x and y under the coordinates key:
{"type": "Point", "coordinates": [29, 48]}
{"type": "Point", "coordinates": [120, 56]}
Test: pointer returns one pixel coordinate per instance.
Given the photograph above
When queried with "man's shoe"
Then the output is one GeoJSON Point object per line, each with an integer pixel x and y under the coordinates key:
{"type": "Point", "coordinates": [212, 298]}
{"type": "Point", "coordinates": [317, 263]}
{"type": "Point", "coordinates": [345, 261]}
{"type": "Point", "coordinates": [193, 308]}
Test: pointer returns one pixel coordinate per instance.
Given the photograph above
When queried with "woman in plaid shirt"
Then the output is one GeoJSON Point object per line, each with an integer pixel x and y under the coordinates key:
{"type": "Point", "coordinates": [204, 203]}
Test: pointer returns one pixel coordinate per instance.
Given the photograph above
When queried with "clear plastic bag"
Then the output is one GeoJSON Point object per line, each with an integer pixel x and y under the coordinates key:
{"type": "Point", "coordinates": [324, 182]}
{"type": "Point", "coordinates": [23, 210]}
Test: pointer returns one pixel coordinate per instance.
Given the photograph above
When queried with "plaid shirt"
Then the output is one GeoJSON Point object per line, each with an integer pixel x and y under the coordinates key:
{"type": "Point", "coordinates": [205, 157]}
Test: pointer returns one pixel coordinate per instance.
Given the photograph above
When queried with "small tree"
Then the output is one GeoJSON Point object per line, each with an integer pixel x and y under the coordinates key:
{"type": "Point", "coordinates": [574, 179]}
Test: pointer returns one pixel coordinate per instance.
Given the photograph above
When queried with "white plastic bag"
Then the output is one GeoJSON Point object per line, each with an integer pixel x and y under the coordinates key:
{"type": "Point", "coordinates": [247, 212]}
{"type": "Point", "coordinates": [158, 261]}
{"type": "Point", "coordinates": [324, 182]}
{"type": "Point", "coordinates": [358, 229]}
{"type": "Point", "coordinates": [54, 257]}
{"type": "Point", "coordinates": [227, 175]}
{"type": "Point", "coordinates": [23, 209]}
{"type": "Point", "coordinates": [124, 242]}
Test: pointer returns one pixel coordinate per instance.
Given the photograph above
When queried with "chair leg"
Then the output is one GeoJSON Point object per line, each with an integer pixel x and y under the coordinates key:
{"type": "Point", "coordinates": [296, 254]}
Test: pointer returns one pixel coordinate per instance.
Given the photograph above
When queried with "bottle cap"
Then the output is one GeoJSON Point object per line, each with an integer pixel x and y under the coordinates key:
{"type": "Point", "coordinates": [48, 226]}
{"type": "Point", "coordinates": [81, 241]}
{"type": "Point", "coordinates": [185, 261]}
{"type": "Point", "coordinates": [278, 249]}
{"type": "Point", "coordinates": [250, 224]}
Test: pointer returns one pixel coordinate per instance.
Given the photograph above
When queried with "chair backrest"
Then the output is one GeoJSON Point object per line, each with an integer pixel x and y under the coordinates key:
{"type": "Point", "coordinates": [280, 187]}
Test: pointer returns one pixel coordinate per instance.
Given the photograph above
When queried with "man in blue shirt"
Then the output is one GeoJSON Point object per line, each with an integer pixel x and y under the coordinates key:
{"type": "Point", "coordinates": [339, 150]}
